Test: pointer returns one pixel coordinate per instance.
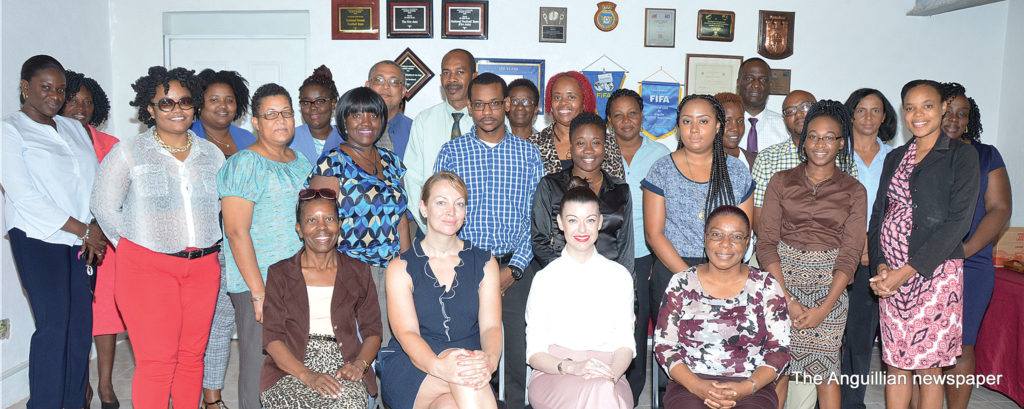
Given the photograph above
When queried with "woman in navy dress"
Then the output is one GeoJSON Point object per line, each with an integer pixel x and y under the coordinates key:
{"type": "Point", "coordinates": [445, 311]}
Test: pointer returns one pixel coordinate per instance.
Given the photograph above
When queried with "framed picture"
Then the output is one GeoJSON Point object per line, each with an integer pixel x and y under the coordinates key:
{"type": "Point", "coordinates": [711, 74]}
{"type": "Point", "coordinates": [465, 19]}
{"type": "Point", "coordinates": [715, 25]}
{"type": "Point", "coordinates": [780, 81]}
{"type": "Point", "coordinates": [660, 28]}
{"type": "Point", "coordinates": [417, 74]}
{"type": "Point", "coordinates": [552, 26]}
{"type": "Point", "coordinates": [355, 20]}
{"type": "Point", "coordinates": [775, 34]}
{"type": "Point", "coordinates": [410, 18]}
{"type": "Point", "coordinates": [511, 69]}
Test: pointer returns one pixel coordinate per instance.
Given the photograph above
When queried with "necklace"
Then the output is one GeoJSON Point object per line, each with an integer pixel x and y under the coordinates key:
{"type": "Point", "coordinates": [169, 148]}
{"type": "Point", "coordinates": [211, 137]}
{"type": "Point", "coordinates": [359, 152]}
{"type": "Point", "coordinates": [701, 214]}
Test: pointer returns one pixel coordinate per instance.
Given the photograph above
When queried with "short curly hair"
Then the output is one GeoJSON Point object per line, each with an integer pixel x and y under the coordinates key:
{"type": "Point", "coordinates": [100, 102]}
{"type": "Point", "coordinates": [239, 86]}
{"type": "Point", "coordinates": [589, 101]}
{"type": "Point", "coordinates": [145, 89]}
{"type": "Point", "coordinates": [951, 90]}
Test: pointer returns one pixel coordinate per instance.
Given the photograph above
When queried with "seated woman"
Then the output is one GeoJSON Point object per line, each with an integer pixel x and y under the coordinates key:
{"type": "Point", "coordinates": [723, 329]}
{"type": "Point", "coordinates": [579, 317]}
{"type": "Point", "coordinates": [319, 304]}
{"type": "Point", "coordinates": [615, 236]}
{"type": "Point", "coordinates": [445, 303]}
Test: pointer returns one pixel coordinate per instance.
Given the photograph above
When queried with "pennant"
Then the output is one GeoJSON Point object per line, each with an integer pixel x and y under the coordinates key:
{"type": "Point", "coordinates": [604, 83]}
{"type": "Point", "coordinates": [660, 102]}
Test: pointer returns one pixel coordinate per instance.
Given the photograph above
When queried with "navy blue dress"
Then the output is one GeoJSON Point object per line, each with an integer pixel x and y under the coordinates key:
{"type": "Point", "coordinates": [448, 319]}
{"type": "Point", "coordinates": [979, 272]}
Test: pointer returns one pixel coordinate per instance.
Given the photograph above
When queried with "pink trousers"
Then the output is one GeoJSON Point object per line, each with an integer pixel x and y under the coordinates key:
{"type": "Point", "coordinates": [548, 391]}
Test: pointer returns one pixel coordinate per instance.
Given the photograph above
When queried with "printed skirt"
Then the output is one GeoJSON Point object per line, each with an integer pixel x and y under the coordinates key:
{"type": "Point", "coordinates": [808, 276]}
{"type": "Point", "coordinates": [323, 355]}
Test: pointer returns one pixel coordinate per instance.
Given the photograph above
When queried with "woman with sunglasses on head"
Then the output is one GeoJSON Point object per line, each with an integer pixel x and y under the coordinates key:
{"type": "Point", "coordinates": [225, 99]}
{"type": "Point", "coordinates": [318, 96]}
{"type": "Point", "coordinates": [321, 319]}
{"type": "Point", "coordinates": [810, 239]}
{"type": "Point", "coordinates": [257, 187]}
{"type": "Point", "coordinates": [156, 196]}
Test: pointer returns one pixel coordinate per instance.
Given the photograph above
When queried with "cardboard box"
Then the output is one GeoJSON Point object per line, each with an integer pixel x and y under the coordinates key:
{"type": "Point", "coordinates": [1009, 246]}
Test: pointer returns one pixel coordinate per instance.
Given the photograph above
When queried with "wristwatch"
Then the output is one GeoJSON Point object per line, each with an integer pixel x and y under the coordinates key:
{"type": "Point", "coordinates": [517, 273]}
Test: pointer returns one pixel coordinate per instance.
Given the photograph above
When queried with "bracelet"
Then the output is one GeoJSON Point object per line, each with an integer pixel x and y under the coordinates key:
{"type": "Point", "coordinates": [751, 380]}
{"type": "Point", "coordinates": [366, 365]}
{"type": "Point", "coordinates": [85, 236]}
{"type": "Point", "coordinates": [260, 298]}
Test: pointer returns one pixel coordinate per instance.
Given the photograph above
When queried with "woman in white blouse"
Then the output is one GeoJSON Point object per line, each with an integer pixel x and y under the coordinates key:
{"type": "Point", "coordinates": [156, 197]}
{"type": "Point", "coordinates": [579, 317]}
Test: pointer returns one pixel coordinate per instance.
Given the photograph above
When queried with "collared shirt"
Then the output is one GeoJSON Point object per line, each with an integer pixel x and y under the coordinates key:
{"type": "Point", "coordinates": [146, 195]}
{"type": "Point", "coordinates": [869, 175]}
{"type": "Point", "coordinates": [431, 129]}
{"type": "Point", "coordinates": [636, 171]}
{"type": "Point", "coordinates": [47, 176]}
{"type": "Point", "coordinates": [308, 146]}
{"type": "Point", "coordinates": [600, 321]}
{"type": "Point", "coordinates": [399, 128]}
{"type": "Point", "coordinates": [775, 158]}
{"type": "Point", "coordinates": [502, 181]}
{"type": "Point", "coordinates": [771, 129]}
{"type": "Point", "coordinates": [241, 137]}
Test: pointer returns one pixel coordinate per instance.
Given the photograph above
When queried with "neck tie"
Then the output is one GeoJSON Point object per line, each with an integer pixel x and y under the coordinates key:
{"type": "Point", "coordinates": [752, 136]}
{"type": "Point", "coordinates": [455, 127]}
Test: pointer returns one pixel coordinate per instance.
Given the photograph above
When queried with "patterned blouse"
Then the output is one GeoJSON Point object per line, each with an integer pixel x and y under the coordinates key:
{"type": "Point", "coordinates": [369, 207]}
{"type": "Point", "coordinates": [723, 337]}
{"type": "Point", "coordinates": [545, 141]}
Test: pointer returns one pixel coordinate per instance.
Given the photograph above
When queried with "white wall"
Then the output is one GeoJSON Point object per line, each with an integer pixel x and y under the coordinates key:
{"type": "Point", "coordinates": [78, 35]}
{"type": "Point", "coordinates": [1009, 140]}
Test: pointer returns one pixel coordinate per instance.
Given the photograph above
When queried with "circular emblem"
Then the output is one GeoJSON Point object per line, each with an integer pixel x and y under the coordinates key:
{"type": "Point", "coordinates": [606, 18]}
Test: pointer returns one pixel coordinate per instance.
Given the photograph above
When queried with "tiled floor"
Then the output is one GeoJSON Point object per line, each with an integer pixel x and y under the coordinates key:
{"type": "Point", "coordinates": [982, 398]}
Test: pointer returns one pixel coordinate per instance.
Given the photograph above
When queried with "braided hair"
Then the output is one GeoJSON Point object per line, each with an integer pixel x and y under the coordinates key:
{"type": "Point", "coordinates": [719, 185]}
{"type": "Point", "coordinates": [837, 111]}
{"type": "Point", "coordinates": [951, 90]}
{"type": "Point", "coordinates": [322, 76]}
{"type": "Point", "coordinates": [100, 102]}
{"type": "Point", "coordinates": [145, 89]}
{"type": "Point", "coordinates": [239, 86]}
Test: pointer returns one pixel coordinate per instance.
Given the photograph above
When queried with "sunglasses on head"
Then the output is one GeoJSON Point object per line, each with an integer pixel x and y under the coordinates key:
{"type": "Point", "coordinates": [310, 194]}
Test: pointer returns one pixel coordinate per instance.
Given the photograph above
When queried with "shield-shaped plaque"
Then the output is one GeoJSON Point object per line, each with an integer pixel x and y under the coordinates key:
{"type": "Point", "coordinates": [775, 34]}
{"type": "Point", "coordinates": [606, 18]}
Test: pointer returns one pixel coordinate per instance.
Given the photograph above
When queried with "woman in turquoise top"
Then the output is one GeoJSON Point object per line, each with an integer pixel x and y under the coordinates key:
{"type": "Point", "coordinates": [258, 188]}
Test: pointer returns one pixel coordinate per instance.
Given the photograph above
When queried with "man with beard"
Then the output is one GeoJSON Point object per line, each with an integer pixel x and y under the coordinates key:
{"type": "Point", "coordinates": [438, 124]}
{"type": "Point", "coordinates": [501, 172]}
{"type": "Point", "coordinates": [387, 78]}
{"type": "Point", "coordinates": [766, 127]}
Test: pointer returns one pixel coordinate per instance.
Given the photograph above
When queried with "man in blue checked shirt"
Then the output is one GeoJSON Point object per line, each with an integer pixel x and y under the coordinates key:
{"type": "Point", "coordinates": [502, 172]}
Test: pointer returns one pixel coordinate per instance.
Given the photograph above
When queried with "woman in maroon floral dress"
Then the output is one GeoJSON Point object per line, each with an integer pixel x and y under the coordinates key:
{"type": "Point", "coordinates": [923, 209]}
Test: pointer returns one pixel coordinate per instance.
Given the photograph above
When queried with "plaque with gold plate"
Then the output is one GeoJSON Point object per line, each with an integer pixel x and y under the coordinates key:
{"type": "Point", "coordinates": [355, 20]}
{"type": "Point", "coordinates": [606, 17]}
{"type": "Point", "coordinates": [715, 25]}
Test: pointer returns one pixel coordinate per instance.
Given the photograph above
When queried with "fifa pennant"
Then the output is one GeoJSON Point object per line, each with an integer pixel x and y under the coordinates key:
{"type": "Point", "coordinates": [604, 83]}
{"type": "Point", "coordinates": [660, 102]}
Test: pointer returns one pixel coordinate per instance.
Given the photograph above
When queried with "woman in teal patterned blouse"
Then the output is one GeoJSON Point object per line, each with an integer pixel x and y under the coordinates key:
{"type": "Point", "coordinates": [258, 188]}
{"type": "Point", "coordinates": [372, 201]}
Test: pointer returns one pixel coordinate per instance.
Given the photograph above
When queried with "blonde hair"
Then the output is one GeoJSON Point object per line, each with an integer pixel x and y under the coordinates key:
{"type": "Point", "coordinates": [446, 176]}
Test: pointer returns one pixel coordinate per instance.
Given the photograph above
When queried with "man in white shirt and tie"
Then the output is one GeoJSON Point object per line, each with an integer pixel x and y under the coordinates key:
{"type": "Point", "coordinates": [764, 127]}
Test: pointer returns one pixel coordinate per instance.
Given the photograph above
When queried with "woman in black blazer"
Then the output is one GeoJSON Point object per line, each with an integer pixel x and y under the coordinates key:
{"type": "Point", "coordinates": [922, 211]}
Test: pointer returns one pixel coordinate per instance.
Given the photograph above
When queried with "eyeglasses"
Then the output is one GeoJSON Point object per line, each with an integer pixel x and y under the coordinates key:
{"type": "Point", "coordinates": [826, 138]}
{"type": "Point", "coordinates": [522, 102]}
{"type": "Point", "coordinates": [167, 104]}
{"type": "Point", "coordinates": [803, 107]}
{"type": "Point", "coordinates": [734, 238]}
{"type": "Point", "coordinates": [310, 194]}
{"type": "Point", "coordinates": [271, 115]}
{"type": "Point", "coordinates": [479, 106]}
{"type": "Point", "coordinates": [319, 102]}
{"type": "Point", "coordinates": [389, 82]}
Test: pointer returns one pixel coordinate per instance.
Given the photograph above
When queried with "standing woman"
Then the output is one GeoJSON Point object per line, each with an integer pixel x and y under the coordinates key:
{"type": "Point", "coordinates": [225, 99]}
{"type": "Point", "coordinates": [372, 200]}
{"type": "Point", "coordinates": [317, 97]}
{"type": "Point", "coordinates": [156, 194]}
{"type": "Point", "coordinates": [962, 121]}
{"type": "Point", "coordinates": [615, 236]}
{"type": "Point", "coordinates": [49, 165]}
{"type": "Point", "coordinates": [258, 188]}
{"type": "Point", "coordinates": [921, 214]}
{"type": "Point", "coordinates": [811, 237]}
{"type": "Point", "coordinates": [86, 103]}
{"type": "Point", "coordinates": [568, 95]}
{"type": "Point", "coordinates": [523, 96]}
{"type": "Point", "coordinates": [734, 128]}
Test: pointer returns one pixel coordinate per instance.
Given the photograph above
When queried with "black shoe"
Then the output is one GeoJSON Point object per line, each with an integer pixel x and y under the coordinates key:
{"type": "Point", "coordinates": [217, 404]}
{"type": "Point", "coordinates": [110, 405]}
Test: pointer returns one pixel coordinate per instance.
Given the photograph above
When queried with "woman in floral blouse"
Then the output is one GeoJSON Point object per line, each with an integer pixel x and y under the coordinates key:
{"type": "Point", "coordinates": [723, 328]}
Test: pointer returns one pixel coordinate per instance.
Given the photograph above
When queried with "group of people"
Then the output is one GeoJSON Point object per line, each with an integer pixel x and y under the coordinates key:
{"type": "Point", "coordinates": [427, 253]}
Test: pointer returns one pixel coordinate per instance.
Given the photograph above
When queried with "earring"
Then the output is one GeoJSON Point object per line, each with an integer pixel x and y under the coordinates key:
{"type": "Point", "coordinates": [965, 131]}
{"type": "Point", "coordinates": [24, 95]}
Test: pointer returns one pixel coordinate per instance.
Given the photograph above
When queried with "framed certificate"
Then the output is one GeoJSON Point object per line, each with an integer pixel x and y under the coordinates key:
{"type": "Point", "coordinates": [552, 26]}
{"type": "Point", "coordinates": [410, 18]}
{"type": "Point", "coordinates": [355, 20]}
{"type": "Point", "coordinates": [465, 19]}
{"type": "Point", "coordinates": [711, 74]}
{"type": "Point", "coordinates": [511, 69]}
{"type": "Point", "coordinates": [660, 28]}
{"type": "Point", "coordinates": [417, 74]}
{"type": "Point", "coordinates": [715, 25]}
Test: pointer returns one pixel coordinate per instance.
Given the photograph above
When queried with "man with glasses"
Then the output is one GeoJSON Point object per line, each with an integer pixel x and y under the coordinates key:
{"type": "Point", "coordinates": [501, 172]}
{"type": "Point", "coordinates": [387, 78]}
{"type": "Point", "coordinates": [765, 127]}
{"type": "Point", "coordinates": [523, 97]}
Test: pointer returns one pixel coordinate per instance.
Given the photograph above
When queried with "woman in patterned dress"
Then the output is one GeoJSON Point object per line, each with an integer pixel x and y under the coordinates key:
{"type": "Point", "coordinates": [922, 212]}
